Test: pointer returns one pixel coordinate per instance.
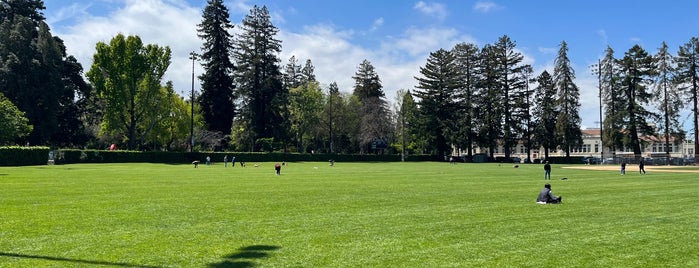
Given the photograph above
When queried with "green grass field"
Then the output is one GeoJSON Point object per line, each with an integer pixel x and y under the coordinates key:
{"type": "Point", "coordinates": [349, 215]}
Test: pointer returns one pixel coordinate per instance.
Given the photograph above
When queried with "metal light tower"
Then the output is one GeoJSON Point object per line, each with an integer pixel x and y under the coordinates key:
{"type": "Point", "coordinates": [597, 70]}
{"type": "Point", "coordinates": [193, 56]}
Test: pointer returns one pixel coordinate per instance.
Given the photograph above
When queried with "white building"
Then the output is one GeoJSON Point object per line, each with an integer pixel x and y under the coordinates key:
{"type": "Point", "coordinates": [651, 147]}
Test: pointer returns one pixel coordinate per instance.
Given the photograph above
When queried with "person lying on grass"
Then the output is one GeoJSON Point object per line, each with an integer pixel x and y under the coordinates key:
{"type": "Point", "coordinates": [546, 196]}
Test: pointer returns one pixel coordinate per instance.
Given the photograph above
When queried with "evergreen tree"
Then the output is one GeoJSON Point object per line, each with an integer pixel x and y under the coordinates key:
{"type": "Point", "coordinates": [308, 72]}
{"type": "Point", "coordinates": [292, 74]}
{"type": "Point", "coordinates": [613, 101]}
{"type": "Point", "coordinates": [568, 134]}
{"type": "Point", "coordinates": [489, 110]}
{"type": "Point", "coordinates": [667, 98]}
{"type": "Point", "coordinates": [374, 113]}
{"type": "Point", "coordinates": [367, 83]}
{"type": "Point", "coordinates": [436, 93]}
{"type": "Point", "coordinates": [513, 83]}
{"type": "Point", "coordinates": [333, 93]}
{"type": "Point", "coordinates": [688, 81]}
{"type": "Point", "coordinates": [636, 69]}
{"type": "Point", "coordinates": [466, 56]}
{"type": "Point", "coordinates": [264, 99]}
{"type": "Point", "coordinates": [545, 113]}
{"type": "Point", "coordinates": [217, 99]}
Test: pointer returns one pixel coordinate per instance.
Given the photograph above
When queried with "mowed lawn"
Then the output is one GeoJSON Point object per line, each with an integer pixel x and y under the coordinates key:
{"type": "Point", "coordinates": [350, 215]}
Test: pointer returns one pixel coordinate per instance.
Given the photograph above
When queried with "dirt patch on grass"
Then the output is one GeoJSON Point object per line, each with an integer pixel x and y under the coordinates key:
{"type": "Point", "coordinates": [631, 168]}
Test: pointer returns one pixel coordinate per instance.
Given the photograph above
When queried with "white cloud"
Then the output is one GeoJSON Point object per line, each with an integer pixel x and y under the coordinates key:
{"type": "Point", "coordinates": [152, 21]}
{"type": "Point", "coordinates": [333, 52]}
{"type": "Point", "coordinates": [377, 24]}
{"type": "Point", "coordinates": [68, 12]}
{"type": "Point", "coordinates": [485, 6]}
{"type": "Point", "coordinates": [432, 9]}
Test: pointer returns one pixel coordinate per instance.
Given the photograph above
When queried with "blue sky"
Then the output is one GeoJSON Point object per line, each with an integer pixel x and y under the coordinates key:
{"type": "Point", "coordinates": [396, 36]}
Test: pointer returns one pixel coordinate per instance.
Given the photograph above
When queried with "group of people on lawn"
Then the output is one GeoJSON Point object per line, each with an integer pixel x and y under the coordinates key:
{"type": "Point", "coordinates": [546, 195]}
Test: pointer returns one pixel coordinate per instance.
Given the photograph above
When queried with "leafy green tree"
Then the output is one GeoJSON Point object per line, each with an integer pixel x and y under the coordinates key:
{"type": "Point", "coordinates": [216, 99]}
{"type": "Point", "coordinates": [436, 93]}
{"type": "Point", "coordinates": [407, 113]}
{"type": "Point", "coordinates": [374, 113]}
{"type": "Point", "coordinates": [127, 76]}
{"type": "Point", "coordinates": [467, 58]}
{"type": "Point", "coordinates": [567, 134]}
{"type": "Point", "coordinates": [259, 79]}
{"type": "Point", "coordinates": [340, 118]}
{"type": "Point", "coordinates": [667, 97]}
{"type": "Point", "coordinates": [13, 124]}
{"type": "Point", "coordinates": [306, 104]}
{"type": "Point", "coordinates": [171, 132]}
{"type": "Point", "coordinates": [35, 74]}
{"type": "Point", "coordinates": [688, 81]}
{"type": "Point", "coordinates": [545, 113]}
{"type": "Point", "coordinates": [636, 69]}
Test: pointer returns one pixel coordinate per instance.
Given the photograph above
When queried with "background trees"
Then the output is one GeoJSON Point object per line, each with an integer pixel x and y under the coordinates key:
{"type": "Point", "coordinates": [688, 82]}
{"type": "Point", "coordinates": [127, 76]}
{"type": "Point", "coordinates": [636, 69]}
{"type": "Point", "coordinates": [567, 132]}
{"type": "Point", "coordinates": [217, 100]}
{"type": "Point", "coordinates": [666, 97]}
{"type": "Point", "coordinates": [437, 99]}
{"type": "Point", "coordinates": [13, 124]}
{"type": "Point", "coordinates": [374, 121]}
{"type": "Point", "coordinates": [263, 98]}
{"type": "Point", "coordinates": [38, 77]}
{"type": "Point", "coordinates": [468, 97]}
{"type": "Point", "coordinates": [545, 112]}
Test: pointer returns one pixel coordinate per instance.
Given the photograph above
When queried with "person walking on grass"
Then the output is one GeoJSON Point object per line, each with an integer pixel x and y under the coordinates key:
{"type": "Point", "coordinates": [623, 168]}
{"type": "Point", "coordinates": [547, 171]}
{"type": "Point", "coordinates": [641, 167]}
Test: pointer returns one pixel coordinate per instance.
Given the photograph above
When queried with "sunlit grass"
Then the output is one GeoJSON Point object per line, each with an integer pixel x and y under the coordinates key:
{"type": "Point", "coordinates": [349, 215]}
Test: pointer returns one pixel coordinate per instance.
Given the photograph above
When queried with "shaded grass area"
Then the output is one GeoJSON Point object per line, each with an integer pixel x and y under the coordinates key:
{"type": "Point", "coordinates": [350, 215]}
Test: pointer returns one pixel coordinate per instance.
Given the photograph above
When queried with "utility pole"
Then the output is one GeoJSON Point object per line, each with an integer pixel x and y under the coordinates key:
{"type": "Point", "coordinates": [193, 56]}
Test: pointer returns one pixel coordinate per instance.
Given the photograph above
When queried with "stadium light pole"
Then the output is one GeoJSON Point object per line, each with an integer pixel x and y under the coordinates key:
{"type": "Point", "coordinates": [597, 70]}
{"type": "Point", "coordinates": [193, 56]}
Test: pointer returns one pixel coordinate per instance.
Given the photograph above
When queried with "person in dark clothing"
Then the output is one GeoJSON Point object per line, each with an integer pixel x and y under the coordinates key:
{"type": "Point", "coordinates": [278, 168]}
{"type": "Point", "coordinates": [641, 167]}
{"type": "Point", "coordinates": [546, 196]}
{"type": "Point", "coordinates": [623, 168]}
{"type": "Point", "coordinates": [547, 171]}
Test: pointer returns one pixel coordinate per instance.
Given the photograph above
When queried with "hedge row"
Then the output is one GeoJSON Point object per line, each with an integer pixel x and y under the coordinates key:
{"type": "Point", "coordinates": [71, 156]}
{"type": "Point", "coordinates": [23, 156]}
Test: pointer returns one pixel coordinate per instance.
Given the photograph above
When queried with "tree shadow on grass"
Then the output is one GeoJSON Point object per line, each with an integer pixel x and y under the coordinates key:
{"type": "Point", "coordinates": [244, 256]}
{"type": "Point", "coordinates": [77, 261]}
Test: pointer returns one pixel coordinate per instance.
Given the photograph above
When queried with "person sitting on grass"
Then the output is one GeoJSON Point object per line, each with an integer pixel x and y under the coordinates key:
{"type": "Point", "coordinates": [546, 196]}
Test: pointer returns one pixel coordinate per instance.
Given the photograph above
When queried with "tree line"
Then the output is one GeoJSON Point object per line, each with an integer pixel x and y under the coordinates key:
{"type": "Point", "coordinates": [465, 97]}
